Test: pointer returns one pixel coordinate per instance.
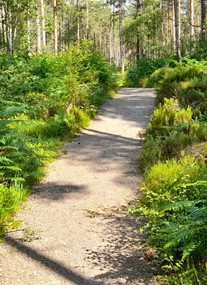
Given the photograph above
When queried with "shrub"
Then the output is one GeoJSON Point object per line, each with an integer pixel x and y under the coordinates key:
{"type": "Point", "coordinates": [136, 75]}
{"type": "Point", "coordinates": [175, 180]}
{"type": "Point", "coordinates": [171, 129]}
{"type": "Point", "coordinates": [185, 81]}
{"type": "Point", "coordinates": [167, 116]}
{"type": "Point", "coordinates": [151, 153]}
{"type": "Point", "coordinates": [45, 100]}
{"type": "Point", "coordinates": [174, 206]}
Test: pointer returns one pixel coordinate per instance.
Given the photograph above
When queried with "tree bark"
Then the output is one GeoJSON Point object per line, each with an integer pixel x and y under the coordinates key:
{"type": "Point", "coordinates": [43, 24]}
{"type": "Point", "coordinates": [110, 40]}
{"type": "Point", "coordinates": [55, 26]}
{"type": "Point", "coordinates": [121, 36]}
{"type": "Point", "coordinates": [192, 23]}
{"type": "Point", "coordinates": [203, 18]}
{"type": "Point", "coordinates": [138, 8]}
{"type": "Point", "coordinates": [2, 27]}
{"type": "Point", "coordinates": [78, 21]}
{"type": "Point", "coordinates": [39, 45]}
{"type": "Point", "coordinates": [192, 18]}
{"type": "Point", "coordinates": [87, 18]}
{"type": "Point", "coordinates": [177, 28]}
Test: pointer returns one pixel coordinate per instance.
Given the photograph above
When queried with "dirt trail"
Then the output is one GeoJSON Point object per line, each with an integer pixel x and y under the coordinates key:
{"type": "Point", "coordinates": [77, 231]}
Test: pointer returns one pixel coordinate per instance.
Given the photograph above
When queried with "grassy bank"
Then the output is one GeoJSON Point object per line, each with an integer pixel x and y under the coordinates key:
{"type": "Point", "coordinates": [173, 160]}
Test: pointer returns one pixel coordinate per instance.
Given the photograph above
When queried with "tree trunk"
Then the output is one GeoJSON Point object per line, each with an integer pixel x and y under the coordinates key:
{"type": "Point", "coordinates": [203, 18]}
{"type": "Point", "coordinates": [177, 28]}
{"type": "Point", "coordinates": [62, 27]}
{"type": "Point", "coordinates": [78, 21]}
{"type": "Point", "coordinates": [10, 32]}
{"type": "Point", "coordinates": [55, 26]}
{"type": "Point", "coordinates": [121, 36]}
{"type": "Point", "coordinates": [28, 36]}
{"type": "Point", "coordinates": [39, 45]}
{"type": "Point", "coordinates": [110, 39]}
{"type": "Point", "coordinates": [192, 22]}
{"type": "Point", "coordinates": [173, 47]}
{"type": "Point", "coordinates": [138, 8]}
{"type": "Point", "coordinates": [43, 24]}
{"type": "Point", "coordinates": [87, 18]}
{"type": "Point", "coordinates": [2, 27]}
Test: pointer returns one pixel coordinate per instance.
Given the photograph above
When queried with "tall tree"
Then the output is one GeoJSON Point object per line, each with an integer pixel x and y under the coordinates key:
{"type": "Point", "coordinates": [13, 13]}
{"type": "Point", "coordinates": [177, 28]}
{"type": "Point", "coordinates": [121, 35]}
{"type": "Point", "coordinates": [203, 18]}
{"type": "Point", "coordinates": [43, 24]}
{"type": "Point", "coordinates": [39, 42]}
{"type": "Point", "coordinates": [55, 14]}
{"type": "Point", "coordinates": [192, 20]}
{"type": "Point", "coordinates": [138, 11]}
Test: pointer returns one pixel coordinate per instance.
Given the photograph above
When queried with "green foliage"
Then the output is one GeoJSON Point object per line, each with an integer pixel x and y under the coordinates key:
{"type": "Point", "coordinates": [45, 100]}
{"type": "Point", "coordinates": [170, 130]}
{"type": "Point", "coordinates": [165, 117]}
{"type": "Point", "coordinates": [10, 202]}
{"type": "Point", "coordinates": [175, 208]}
{"type": "Point", "coordinates": [137, 75]}
{"type": "Point", "coordinates": [175, 173]}
{"type": "Point", "coordinates": [200, 50]}
{"type": "Point", "coordinates": [185, 81]}
{"type": "Point", "coordinates": [170, 173]}
{"type": "Point", "coordinates": [151, 153]}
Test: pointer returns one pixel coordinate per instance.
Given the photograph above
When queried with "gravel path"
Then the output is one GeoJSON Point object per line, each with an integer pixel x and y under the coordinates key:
{"type": "Point", "coordinates": [76, 227]}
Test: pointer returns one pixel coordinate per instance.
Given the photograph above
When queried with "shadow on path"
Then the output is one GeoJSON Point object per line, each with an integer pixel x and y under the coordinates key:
{"type": "Point", "coordinates": [133, 107]}
{"type": "Point", "coordinates": [56, 191]}
{"type": "Point", "coordinates": [95, 146]}
{"type": "Point", "coordinates": [122, 253]}
{"type": "Point", "coordinates": [53, 265]}
{"type": "Point", "coordinates": [103, 152]}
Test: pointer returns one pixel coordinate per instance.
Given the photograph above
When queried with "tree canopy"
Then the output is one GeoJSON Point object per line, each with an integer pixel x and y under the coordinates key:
{"type": "Point", "coordinates": [124, 31]}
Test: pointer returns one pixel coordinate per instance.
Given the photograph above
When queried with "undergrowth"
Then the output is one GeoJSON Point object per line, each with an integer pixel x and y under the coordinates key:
{"type": "Point", "coordinates": [137, 75]}
{"type": "Point", "coordinates": [45, 100]}
{"type": "Point", "coordinates": [173, 160]}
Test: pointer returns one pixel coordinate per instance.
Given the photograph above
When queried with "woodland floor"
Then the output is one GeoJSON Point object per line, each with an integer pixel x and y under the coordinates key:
{"type": "Point", "coordinates": [76, 229]}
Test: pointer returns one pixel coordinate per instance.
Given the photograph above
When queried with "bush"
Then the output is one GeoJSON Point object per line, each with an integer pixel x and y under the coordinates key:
{"type": "Point", "coordinates": [136, 75]}
{"type": "Point", "coordinates": [174, 206]}
{"type": "Point", "coordinates": [171, 129]}
{"type": "Point", "coordinates": [175, 173]}
{"type": "Point", "coordinates": [185, 82]}
{"type": "Point", "coordinates": [45, 100]}
{"type": "Point", "coordinates": [167, 116]}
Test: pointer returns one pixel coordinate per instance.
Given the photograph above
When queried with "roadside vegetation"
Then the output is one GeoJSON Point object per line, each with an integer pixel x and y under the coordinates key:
{"type": "Point", "coordinates": [52, 81]}
{"type": "Point", "coordinates": [45, 100]}
{"type": "Point", "coordinates": [173, 160]}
